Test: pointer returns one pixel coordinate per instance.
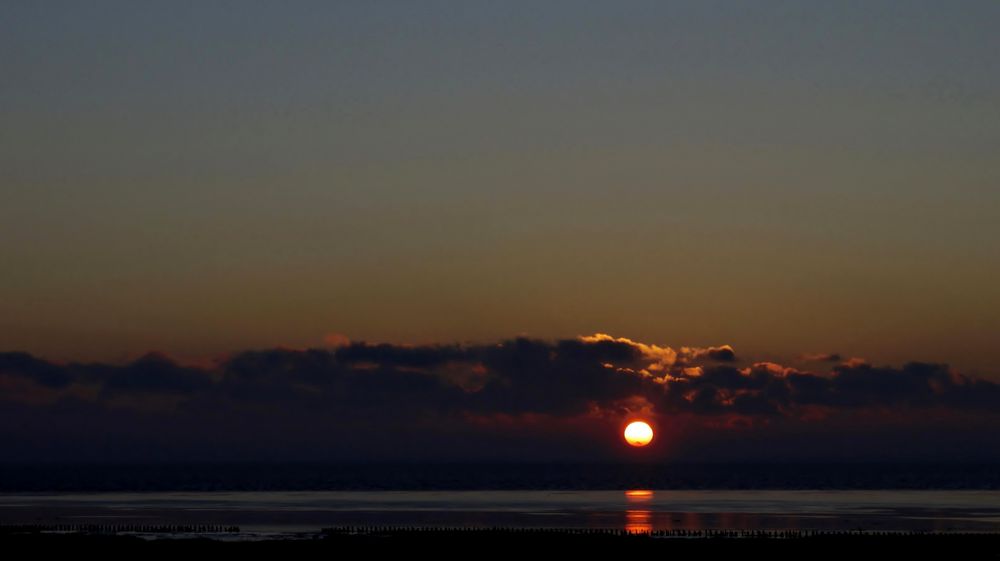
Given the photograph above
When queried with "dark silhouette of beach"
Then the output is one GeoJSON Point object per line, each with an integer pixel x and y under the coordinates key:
{"type": "Point", "coordinates": [473, 542]}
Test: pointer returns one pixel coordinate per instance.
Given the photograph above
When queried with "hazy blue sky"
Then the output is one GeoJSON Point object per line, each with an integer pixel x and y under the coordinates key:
{"type": "Point", "coordinates": [784, 177]}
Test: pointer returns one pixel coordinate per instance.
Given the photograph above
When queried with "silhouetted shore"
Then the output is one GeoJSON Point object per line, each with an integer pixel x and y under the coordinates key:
{"type": "Point", "coordinates": [469, 541]}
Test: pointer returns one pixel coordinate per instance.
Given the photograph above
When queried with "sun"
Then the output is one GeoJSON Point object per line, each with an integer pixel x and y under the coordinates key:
{"type": "Point", "coordinates": [638, 433]}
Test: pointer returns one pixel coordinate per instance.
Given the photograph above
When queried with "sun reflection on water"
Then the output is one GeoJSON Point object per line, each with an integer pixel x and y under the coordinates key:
{"type": "Point", "coordinates": [638, 521]}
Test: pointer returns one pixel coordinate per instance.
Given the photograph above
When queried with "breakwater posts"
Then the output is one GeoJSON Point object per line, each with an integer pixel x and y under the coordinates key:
{"type": "Point", "coordinates": [472, 532]}
{"type": "Point", "coordinates": [404, 531]}
{"type": "Point", "coordinates": [111, 529]}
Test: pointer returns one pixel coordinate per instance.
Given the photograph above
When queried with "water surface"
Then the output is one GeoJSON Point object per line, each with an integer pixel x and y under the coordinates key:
{"type": "Point", "coordinates": [639, 510]}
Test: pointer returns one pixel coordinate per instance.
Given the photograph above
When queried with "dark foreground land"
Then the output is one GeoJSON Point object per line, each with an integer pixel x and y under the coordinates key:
{"type": "Point", "coordinates": [492, 543]}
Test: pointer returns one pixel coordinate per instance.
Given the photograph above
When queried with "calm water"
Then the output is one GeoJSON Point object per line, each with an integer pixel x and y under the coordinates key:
{"type": "Point", "coordinates": [270, 512]}
{"type": "Point", "coordinates": [287, 498]}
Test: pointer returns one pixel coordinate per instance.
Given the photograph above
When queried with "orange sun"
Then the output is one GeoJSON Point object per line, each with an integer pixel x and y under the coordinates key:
{"type": "Point", "coordinates": [638, 433]}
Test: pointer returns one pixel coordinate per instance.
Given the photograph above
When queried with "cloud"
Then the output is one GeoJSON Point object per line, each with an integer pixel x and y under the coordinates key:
{"type": "Point", "coordinates": [335, 340]}
{"type": "Point", "coordinates": [725, 353]}
{"type": "Point", "coordinates": [26, 366]}
{"type": "Point", "coordinates": [154, 373]}
{"type": "Point", "coordinates": [650, 358]}
{"type": "Point", "coordinates": [656, 357]}
{"type": "Point", "coordinates": [447, 398]}
{"type": "Point", "coordinates": [423, 356]}
{"type": "Point", "coordinates": [820, 357]}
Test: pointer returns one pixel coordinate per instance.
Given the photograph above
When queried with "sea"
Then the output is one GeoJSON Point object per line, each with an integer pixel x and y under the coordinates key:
{"type": "Point", "coordinates": [300, 500]}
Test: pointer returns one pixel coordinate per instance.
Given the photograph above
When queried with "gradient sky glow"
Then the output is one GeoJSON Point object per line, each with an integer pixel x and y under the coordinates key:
{"type": "Point", "coordinates": [784, 177]}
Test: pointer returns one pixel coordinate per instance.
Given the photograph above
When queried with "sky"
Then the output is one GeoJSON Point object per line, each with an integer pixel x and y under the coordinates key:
{"type": "Point", "coordinates": [206, 180]}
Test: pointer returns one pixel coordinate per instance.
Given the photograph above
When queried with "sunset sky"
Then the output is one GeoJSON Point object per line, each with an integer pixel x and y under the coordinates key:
{"type": "Point", "coordinates": [213, 180]}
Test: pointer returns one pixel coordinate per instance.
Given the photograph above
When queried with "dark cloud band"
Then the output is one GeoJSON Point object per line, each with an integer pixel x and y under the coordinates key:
{"type": "Point", "coordinates": [394, 388]}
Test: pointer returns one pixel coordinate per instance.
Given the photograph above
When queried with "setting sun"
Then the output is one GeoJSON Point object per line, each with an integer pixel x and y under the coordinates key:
{"type": "Point", "coordinates": [638, 433]}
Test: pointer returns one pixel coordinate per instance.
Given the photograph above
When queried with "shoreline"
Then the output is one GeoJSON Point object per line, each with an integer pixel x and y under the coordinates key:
{"type": "Point", "coordinates": [499, 541]}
